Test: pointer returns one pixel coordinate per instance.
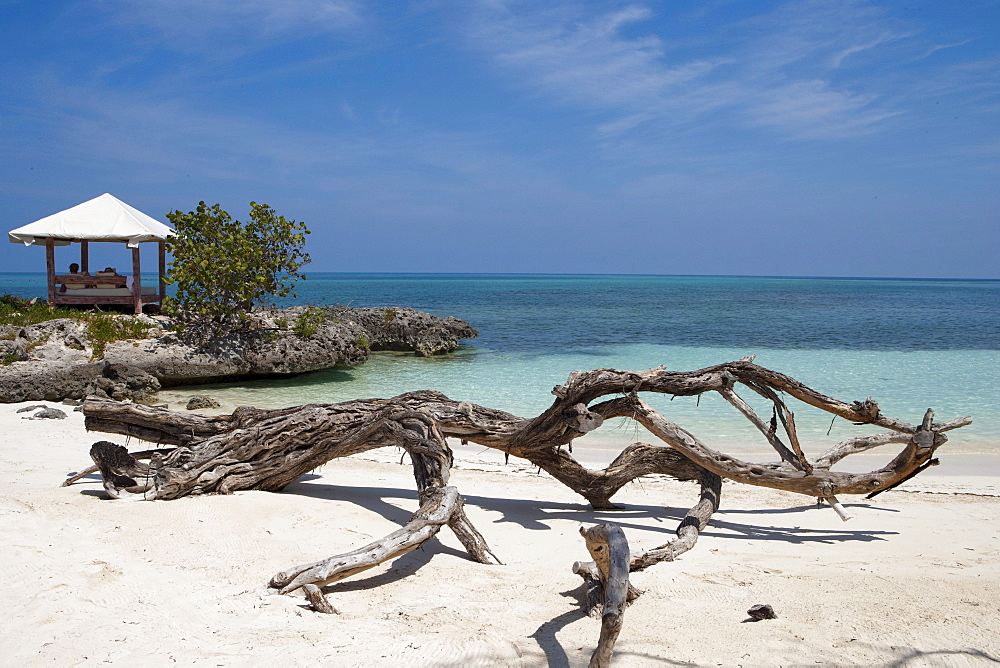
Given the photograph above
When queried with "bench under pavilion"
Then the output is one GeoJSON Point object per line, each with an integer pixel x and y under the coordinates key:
{"type": "Point", "coordinates": [104, 219]}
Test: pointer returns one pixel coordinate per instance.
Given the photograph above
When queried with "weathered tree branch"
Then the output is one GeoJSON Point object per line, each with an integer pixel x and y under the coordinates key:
{"type": "Point", "coordinates": [768, 431]}
{"type": "Point", "coordinates": [425, 523]}
{"type": "Point", "coordinates": [144, 454]}
{"type": "Point", "coordinates": [691, 526]}
{"type": "Point", "coordinates": [268, 449]}
{"type": "Point", "coordinates": [317, 600]}
{"type": "Point", "coordinates": [609, 549]}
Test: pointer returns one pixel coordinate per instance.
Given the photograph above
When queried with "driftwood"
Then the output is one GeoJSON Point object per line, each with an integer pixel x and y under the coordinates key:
{"type": "Point", "coordinates": [317, 600]}
{"type": "Point", "coordinates": [268, 449]}
{"type": "Point", "coordinates": [610, 591]}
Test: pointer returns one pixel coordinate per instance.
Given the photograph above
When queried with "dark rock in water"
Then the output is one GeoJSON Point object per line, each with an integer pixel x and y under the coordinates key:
{"type": "Point", "coordinates": [48, 414]}
{"type": "Point", "coordinates": [201, 401]}
{"type": "Point", "coordinates": [762, 611]}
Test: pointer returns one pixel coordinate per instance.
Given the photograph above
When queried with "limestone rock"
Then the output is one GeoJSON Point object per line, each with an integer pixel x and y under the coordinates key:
{"type": "Point", "coordinates": [43, 380]}
{"type": "Point", "coordinates": [176, 362]}
{"type": "Point", "coordinates": [48, 414]}
{"type": "Point", "coordinates": [200, 401]}
{"type": "Point", "coordinates": [396, 328]}
{"type": "Point", "coordinates": [122, 381]}
{"type": "Point", "coordinates": [52, 360]}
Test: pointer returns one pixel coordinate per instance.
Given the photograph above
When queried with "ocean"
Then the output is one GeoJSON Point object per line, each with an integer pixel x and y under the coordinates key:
{"type": "Point", "coordinates": [909, 344]}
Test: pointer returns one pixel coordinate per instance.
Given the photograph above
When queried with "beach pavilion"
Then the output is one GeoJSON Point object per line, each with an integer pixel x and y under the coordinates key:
{"type": "Point", "coordinates": [102, 219]}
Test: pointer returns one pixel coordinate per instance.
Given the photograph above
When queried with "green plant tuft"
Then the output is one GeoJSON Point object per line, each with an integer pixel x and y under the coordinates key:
{"type": "Point", "coordinates": [105, 329]}
{"type": "Point", "coordinates": [309, 321]}
{"type": "Point", "coordinates": [101, 328]}
{"type": "Point", "coordinates": [24, 312]}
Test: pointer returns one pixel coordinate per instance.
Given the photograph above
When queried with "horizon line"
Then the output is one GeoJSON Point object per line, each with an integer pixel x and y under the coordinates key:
{"type": "Point", "coordinates": [610, 274]}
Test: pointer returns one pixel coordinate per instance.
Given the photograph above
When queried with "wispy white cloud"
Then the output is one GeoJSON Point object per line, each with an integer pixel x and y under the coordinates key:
{"type": "Point", "coordinates": [812, 110]}
{"type": "Point", "coordinates": [381, 160]}
{"type": "Point", "coordinates": [938, 47]}
{"type": "Point", "coordinates": [815, 35]}
{"type": "Point", "coordinates": [971, 85]}
{"type": "Point", "coordinates": [860, 47]}
{"type": "Point", "coordinates": [203, 25]}
{"type": "Point", "coordinates": [783, 71]}
{"type": "Point", "coordinates": [585, 59]}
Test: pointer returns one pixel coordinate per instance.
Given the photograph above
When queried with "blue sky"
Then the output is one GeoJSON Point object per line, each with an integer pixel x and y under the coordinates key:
{"type": "Point", "coordinates": [715, 137]}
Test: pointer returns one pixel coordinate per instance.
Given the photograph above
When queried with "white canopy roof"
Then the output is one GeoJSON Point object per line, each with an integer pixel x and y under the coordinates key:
{"type": "Point", "coordinates": [104, 218]}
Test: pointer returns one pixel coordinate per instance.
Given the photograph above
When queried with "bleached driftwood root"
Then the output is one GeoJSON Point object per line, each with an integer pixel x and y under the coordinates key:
{"type": "Point", "coordinates": [610, 591]}
{"type": "Point", "coordinates": [442, 506]}
{"type": "Point", "coordinates": [268, 449]}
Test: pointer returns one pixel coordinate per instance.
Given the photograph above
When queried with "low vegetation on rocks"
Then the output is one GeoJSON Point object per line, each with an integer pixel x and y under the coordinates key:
{"type": "Point", "coordinates": [132, 357]}
{"type": "Point", "coordinates": [26, 325]}
{"type": "Point", "coordinates": [18, 312]}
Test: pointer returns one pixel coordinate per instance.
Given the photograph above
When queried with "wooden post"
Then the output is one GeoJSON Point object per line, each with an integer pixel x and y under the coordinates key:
{"type": "Point", "coordinates": [85, 257]}
{"type": "Point", "coordinates": [136, 281]}
{"type": "Point", "coordinates": [50, 268]}
{"type": "Point", "coordinates": [609, 549]}
{"type": "Point", "coordinates": [163, 270]}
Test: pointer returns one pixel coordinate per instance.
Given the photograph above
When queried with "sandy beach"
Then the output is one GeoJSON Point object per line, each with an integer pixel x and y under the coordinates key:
{"type": "Point", "coordinates": [911, 580]}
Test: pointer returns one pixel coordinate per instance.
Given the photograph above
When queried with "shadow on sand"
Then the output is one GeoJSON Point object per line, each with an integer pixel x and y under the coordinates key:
{"type": "Point", "coordinates": [540, 515]}
{"type": "Point", "coordinates": [536, 515]}
{"type": "Point", "coordinates": [940, 657]}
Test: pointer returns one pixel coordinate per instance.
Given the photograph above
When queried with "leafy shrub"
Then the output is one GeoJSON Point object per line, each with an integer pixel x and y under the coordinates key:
{"type": "Point", "coordinates": [223, 267]}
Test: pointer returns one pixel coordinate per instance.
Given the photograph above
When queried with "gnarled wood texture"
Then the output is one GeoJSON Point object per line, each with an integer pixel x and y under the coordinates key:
{"type": "Point", "coordinates": [268, 449]}
{"type": "Point", "coordinates": [609, 549]}
{"type": "Point", "coordinates": [261, 449]}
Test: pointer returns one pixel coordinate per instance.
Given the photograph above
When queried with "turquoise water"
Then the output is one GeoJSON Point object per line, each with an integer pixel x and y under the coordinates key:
{"type": "Point", "coordinates": [910, 344]}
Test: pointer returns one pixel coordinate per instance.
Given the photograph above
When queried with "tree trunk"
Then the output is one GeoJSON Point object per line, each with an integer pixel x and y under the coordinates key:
{"type": "Point", "coordinates": [268, 449]}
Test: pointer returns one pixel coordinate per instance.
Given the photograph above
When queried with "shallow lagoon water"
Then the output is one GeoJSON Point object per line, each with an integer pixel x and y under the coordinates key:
{"type": "Point", "coordinates": [521, 383]}
{"type": "Point", "coordinates": [910, 344]}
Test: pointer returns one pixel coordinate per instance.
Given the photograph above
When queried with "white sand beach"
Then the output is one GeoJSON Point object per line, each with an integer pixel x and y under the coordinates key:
{"type": "Point", "coordinates": [911, 580]}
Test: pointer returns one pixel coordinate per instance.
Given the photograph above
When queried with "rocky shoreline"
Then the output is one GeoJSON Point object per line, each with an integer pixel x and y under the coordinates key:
{"type": "Point", "coordinates": [54, 360]}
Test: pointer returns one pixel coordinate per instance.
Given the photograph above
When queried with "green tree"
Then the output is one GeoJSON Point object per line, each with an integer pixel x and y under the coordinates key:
{"type": "Point", "coordinates": [223, 268]}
